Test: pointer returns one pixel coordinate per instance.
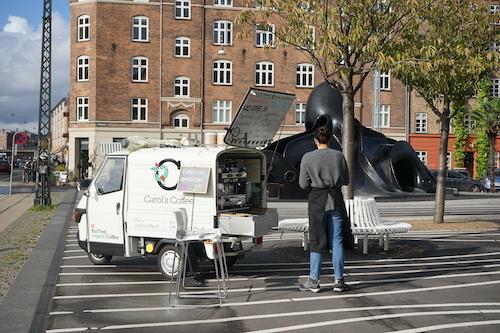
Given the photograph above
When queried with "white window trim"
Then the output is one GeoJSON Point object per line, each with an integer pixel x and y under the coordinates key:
{"type": "Point", "coordinates": [300, 108]}
{"type": "Point", "coordinates": [182, 7]}
{"type": "Point", "coordinates": [139, 105]}
{"type": "Point", "coordinates": [226, 3]}
{"type": "Point", "coordinates": [220, 107]}
{"type": "Point", "coordinates": [301, 73]}
{"type": "Point", "coordinates": [269, 35]}
{"type": "Point", "coordinates": [382, 76]}
{"type": "Point", "coordinates": [264, 73]}
{"type": "Point", "coordinates": [180, 116]}
{"type": "Point", "coordinates": [495, 87]}
{"type": "Point", "coordinates": [181, 85]}
{"type": "Point", "coordinates": [228, 27]}
{"type": "Point", "coordinates": [385, 109]}
{"type": "Point", "coordinates": [422, 156]}
{"type": "Point", "coordinates": [80, 104]}
{"type": "Point", "coordinates": [78, 66]}
{"type": "Point", "coordinates": [182, 46]}
{"type": "Point", "coordinates": [82, 26]}
{"type": "Point", "coordinates": [225, 62]}
{"type": "Point", "coordinates": [140, 26]}
{"type": "Point", "coordinates": [139, 67]}
{"type": "Point", "coordinates": [423, 119]}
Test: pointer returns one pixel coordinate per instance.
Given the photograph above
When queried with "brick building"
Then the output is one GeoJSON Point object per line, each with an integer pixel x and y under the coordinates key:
{"type": "Point", "coordinates": [165, 69]}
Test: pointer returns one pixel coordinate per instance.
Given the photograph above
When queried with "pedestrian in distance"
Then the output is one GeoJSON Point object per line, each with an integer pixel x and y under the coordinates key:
{"type": "Point", "coordinates": [322, 173]}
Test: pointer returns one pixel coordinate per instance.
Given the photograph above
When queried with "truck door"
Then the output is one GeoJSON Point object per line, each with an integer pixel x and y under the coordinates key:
{"type": "Point", "coordinates": [105, 208]}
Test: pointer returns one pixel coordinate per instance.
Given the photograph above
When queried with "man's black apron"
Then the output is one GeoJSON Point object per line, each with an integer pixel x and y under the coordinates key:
{"type": "Point", "coordinates": [317, 200]}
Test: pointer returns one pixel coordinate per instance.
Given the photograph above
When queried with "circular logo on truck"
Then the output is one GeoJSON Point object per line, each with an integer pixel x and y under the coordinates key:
{"type": "Point", "coordinates": [166, 173]}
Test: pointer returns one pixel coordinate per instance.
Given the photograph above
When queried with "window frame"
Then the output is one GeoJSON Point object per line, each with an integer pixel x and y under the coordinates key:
{"type": "Point", "coordinates": [182, 7]}
{"type": "Point", "coordinates": [139, 105]}
{"type": "Point", "coordinates": [384, 113]}
{"type": "Point", "coordinates": [300, 109]}
{"type": "Point", "coordinates": [83, 27]}
{"type": "Point", "coordinates": [495, 87]}
{"type": "Point", "coordinates": [422, 156]}
{"type": "Point", "coordinates": [180, 116]}
{"type": "Point", "coordinates": [302, 75]}
{"type": "Point", "coordinates": [140, 66]}
{"type": "Point", "coordinates": [184, 83]}
{"type": "Point", "coordinates": [226, 32]}
{"type": "Point", "coordinates": [103, 170]}
{"type": "Point", "coordinates": [81, 108]}
{"type": "Point", "coordinates": [181, 47]}
{"type": "Point", "coordinates": [140, 26]}
{"type": "Point", "coordinates": [422, 118]}
{"type": "Point", "coordinates": [263, 74]}
{"type": "Point", "coordinates": [222, 71]}
{"type": "Point", "coordinates": [385, 77]}
{"type": "Point", "coordinates": [223, 3]}
{"type": "Point", "coordinates": [85, 69]}
{"type": "Point", "coordinates": [224, 108]}
{"type": "Point", "coordinates": [265, 34]}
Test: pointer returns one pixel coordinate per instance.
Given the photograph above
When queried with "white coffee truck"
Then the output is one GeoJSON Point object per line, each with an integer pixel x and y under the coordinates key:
{"type": "Point", "coordinates": [127, 209]}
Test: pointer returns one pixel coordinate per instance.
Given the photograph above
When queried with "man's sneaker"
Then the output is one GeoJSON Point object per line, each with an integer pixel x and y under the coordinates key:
{"type": "Point", "coordinates": [339, 286]}
{"type": "Point", "coordinates": [310, 285]}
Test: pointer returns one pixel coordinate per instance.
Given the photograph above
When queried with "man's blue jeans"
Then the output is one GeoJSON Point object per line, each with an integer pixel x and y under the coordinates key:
{"type": "Point", "coordinates": [333, 223]}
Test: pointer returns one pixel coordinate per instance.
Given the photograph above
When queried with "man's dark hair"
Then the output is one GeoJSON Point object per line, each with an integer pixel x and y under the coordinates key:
{"type": "Point", "coordinates": [323, 134]}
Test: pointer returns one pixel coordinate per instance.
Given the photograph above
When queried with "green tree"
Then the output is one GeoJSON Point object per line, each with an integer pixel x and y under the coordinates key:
{"type": "Point", "coordinates": [345, 39]}
{"type": "Point", "coordinates": [461, 134]}
{"type": "Point", "coordinates": [487, 118]}
{"type": "Point", "coordinates": [443, 63]}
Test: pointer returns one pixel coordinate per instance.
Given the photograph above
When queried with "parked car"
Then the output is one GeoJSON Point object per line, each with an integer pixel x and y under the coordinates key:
{"type": "Point", "coordinates": [497, 181]}
{"type": "Point", "coordinates": [4, 166]}
{"type": "Point", "coordinates": [461, 182]}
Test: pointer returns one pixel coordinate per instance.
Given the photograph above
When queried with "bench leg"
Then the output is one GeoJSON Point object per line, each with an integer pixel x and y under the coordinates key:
{"type": "Point", "coordinates": [365, 244]}
{"type": "Point", "coordinates": [386, 242]}
{"type": "Point", "coordinates": [305, 240]}
{"type": "Point", "coordinates": [380, 240]}
{"type": "Point", "coordinates": [355, 240]}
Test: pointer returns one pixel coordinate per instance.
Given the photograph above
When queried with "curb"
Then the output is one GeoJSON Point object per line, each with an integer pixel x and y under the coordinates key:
{"type": "Point", "coordinates": [26, 306]}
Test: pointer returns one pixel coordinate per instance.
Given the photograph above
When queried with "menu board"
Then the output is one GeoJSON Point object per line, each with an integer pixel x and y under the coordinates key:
{"type": "Point", "coordinates": [193, 180]}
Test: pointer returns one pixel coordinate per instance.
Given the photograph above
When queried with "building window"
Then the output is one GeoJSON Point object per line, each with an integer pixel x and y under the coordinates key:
{"type": "Point", "coordinates": [182, 45]}
{"type": "Point", "coordinates": [82, 108]}
{"type": "Point", "coordinates": [421, 122]}
{"type": "Point", "coordinates": [495, 88]}
{"type": "Point", "coordinates": [181, 121]}
{"type": "Point", "coordinates": [227, 3]}
{"type": "Point", "coordinates": [300, 113]}
{"type": "Point", "coordinates": [83, 28]}
{"type": "Point", "coordinates": [304, 76]}
{"type": "Point", "coordinates": [83, 68]}
{"type": "Point", "coordinates": [495, 46]}
{"type": "Point", "coordinates": [264, 35]}
{"type": "Point", "coordinates": [264, 73]}
{"type": "Point", "coordinates": [140, 29]}
{"type": "Point", "coordinates": [223, 33]}
{"type": "Point", "coordinates": [497, 159]}
{"type": "Point", "coordinates": [139, 69]}
{"type": "Point", "coordinates": [222, 73]}
{"type": "Point", "coordinates": [139, 109]}
{"type": "Point", "coordinates": [448, 160]}
{"type": "Point", "coordinates": [384, 116]}
{"type": "Point", "coordinates": [422, 156]}
{"type": "Point", "coordinates": [183, 9]}
{"type": "Point", "coordinates": [385, 81]}
{"type": "Point", "coordinates": [221, 111]}
{"type": "Point", "coordinates": [181, 87]}
{"type": "Point", "coordinates": [469, 123]}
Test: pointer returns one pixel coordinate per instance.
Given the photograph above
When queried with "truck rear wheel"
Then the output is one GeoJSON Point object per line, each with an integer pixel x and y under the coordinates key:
{"type": "Point", "coordinates": [99, 259]}
{"type": "Point", "coordinates": [166, 262]}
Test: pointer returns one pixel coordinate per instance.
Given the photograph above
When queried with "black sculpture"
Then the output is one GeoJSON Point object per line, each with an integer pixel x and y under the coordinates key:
{"type": "Point", "coordinates": [383, 166]}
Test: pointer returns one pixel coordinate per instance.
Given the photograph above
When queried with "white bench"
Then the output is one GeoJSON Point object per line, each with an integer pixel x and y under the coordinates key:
{"type": "Point", "coordinates": [366, 222]}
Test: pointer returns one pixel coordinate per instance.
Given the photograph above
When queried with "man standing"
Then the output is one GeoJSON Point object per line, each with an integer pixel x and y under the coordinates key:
{"type": "Point", "coordinates": [322, 173]}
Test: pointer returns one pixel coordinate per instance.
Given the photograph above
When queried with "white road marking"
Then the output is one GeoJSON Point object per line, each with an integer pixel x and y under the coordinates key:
{"type": "Point", "coordinates": [109, 273]}
{"type": "Point", "coordinates": [57, 313]}
{"type": "Point", "coordinates": [75, 257]}
{"type": "Point", "coordinates": [446, 326]}
{"type": "Point", "coordinates": [67, 330]}
{"type": "Point", "coordinates": [71, 251]}
{"type": "Point", "coordinates": [111, 283]}
{"type": "Point", "coordinates": [250, 289]}
{"type": "Point", "coordinates": [71, 245]}
{"type": "Point", "coordinates": [368, 318]}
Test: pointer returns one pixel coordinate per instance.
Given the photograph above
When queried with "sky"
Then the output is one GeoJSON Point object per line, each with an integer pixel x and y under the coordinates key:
{"type": "Point", "coordinates": [20, 43]}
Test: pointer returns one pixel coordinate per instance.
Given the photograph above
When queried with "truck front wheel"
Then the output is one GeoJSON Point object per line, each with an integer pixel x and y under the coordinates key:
{"type": "Point", "coordinates": [169, 260]}
{"type": "Point", "coordinates": [99, 259]}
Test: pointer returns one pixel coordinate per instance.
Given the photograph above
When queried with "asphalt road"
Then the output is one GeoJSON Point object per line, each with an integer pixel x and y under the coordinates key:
{"type": "Point", "coordinates": [426, 282]}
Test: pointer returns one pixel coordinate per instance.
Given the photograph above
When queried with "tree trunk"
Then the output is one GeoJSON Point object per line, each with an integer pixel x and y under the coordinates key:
{"type": "Point", "coordinates": [348, 130]}
{"type": "Point", "coordinates": [441, 176]}
{"type": "Point", "coordinates": [491, 160]}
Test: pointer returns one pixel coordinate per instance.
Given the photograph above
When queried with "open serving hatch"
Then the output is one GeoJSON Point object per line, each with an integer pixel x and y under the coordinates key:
{"type": "Point", "coordinates": [259, 118]}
